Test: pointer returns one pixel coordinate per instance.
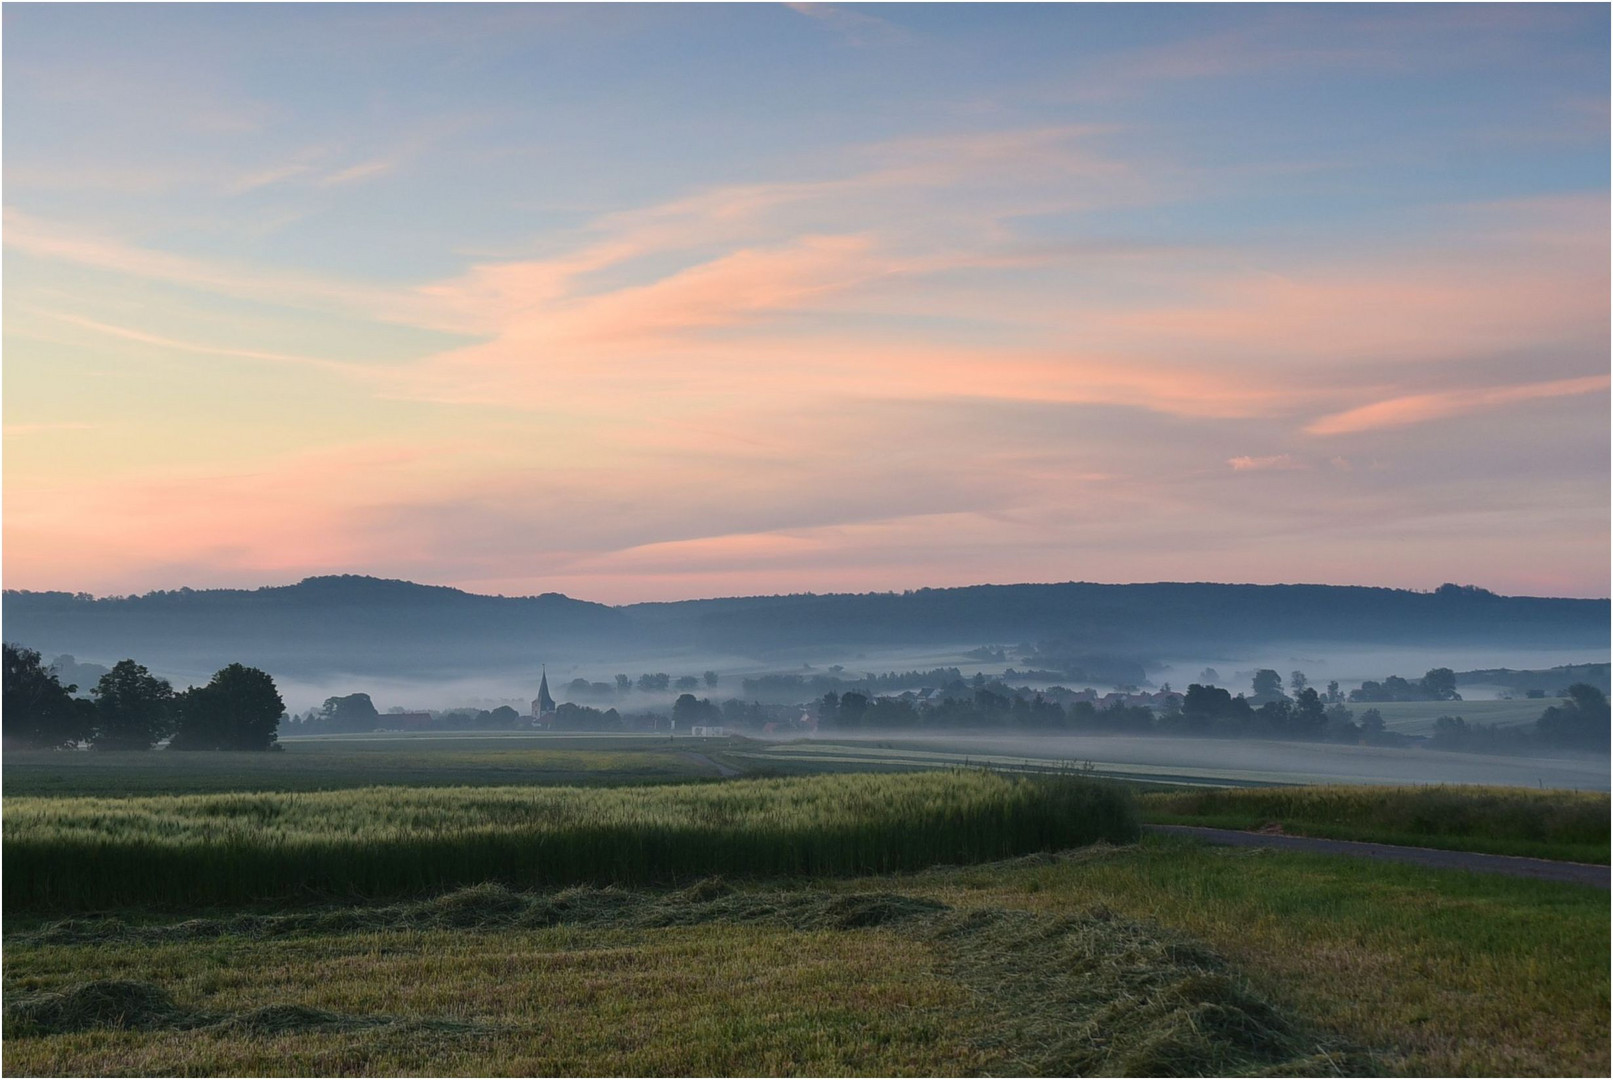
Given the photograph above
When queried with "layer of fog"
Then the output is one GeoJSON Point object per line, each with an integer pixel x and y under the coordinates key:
{"type": "Point", "coordinates": [1254, 761]}
{"type": "Point", "coordinates": [1349, 665]}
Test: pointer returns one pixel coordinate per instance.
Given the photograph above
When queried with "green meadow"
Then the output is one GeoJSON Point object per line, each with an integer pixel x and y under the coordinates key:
{"type": "Point", "coordinates": [517, 907]}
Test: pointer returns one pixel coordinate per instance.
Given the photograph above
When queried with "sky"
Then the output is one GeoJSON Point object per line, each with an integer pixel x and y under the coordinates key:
{"type": "Point", "coordinates": [659, 302]}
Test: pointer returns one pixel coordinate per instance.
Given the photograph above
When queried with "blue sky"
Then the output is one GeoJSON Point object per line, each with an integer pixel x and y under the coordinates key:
{"type": "Point", "coordinates": [658, 301]}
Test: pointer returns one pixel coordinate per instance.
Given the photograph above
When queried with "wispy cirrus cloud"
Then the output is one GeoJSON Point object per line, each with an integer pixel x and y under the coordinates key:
{"type": "Point", "coordinates": [857, 28]}
{"type": "Point", "coordinates": [1421, 408]}
{"type": "Point", "coordinates": [364, 170]}
{"type": "Point", "coordinates": [1245, 463]}
{"type": "Point", "coordinates": [177, 345]}
{"type": "Point", "coordinates": [290, 288]}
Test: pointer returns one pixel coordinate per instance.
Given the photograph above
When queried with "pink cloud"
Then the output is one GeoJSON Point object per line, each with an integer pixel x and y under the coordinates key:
{"type": "Point", "coordinates": [1274, 461]}
{"type": "Point", "coordinates": [1419, 408]}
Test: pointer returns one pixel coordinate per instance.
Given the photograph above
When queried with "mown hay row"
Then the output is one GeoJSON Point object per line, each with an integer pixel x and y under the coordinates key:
{"type": "Point", "coordinates": [1080, 994]}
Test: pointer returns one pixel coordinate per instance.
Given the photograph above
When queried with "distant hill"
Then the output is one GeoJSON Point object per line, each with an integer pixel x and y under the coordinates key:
{"type": "Point", "coordinates": [320, 625]}
{"type": "Point", "coordinates": [364, 625]}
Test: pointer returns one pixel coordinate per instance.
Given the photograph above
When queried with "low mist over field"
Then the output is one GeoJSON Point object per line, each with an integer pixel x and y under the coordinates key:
{"type": "Point", "coordinates": [429, 647]}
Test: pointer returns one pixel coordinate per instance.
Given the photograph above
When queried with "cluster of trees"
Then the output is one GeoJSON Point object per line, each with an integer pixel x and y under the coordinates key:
{"type": "Point", "coordinates": [570, 717]}
{"type": "Point", "coordinates": [131, 709]}
{"type": "Point", "coordinates": [991, 707]}
{"type": "Point", "coordinates": [658, 683]}
{"type": "Point", "coordinates": [1439, 684]}
{"type": "Point", "coordinates": [1580, 722]}
{"type": "Point", "coordinates": [355, 713]}
{"type": "Point", "coordinates": [1308, 715]}
{"type": "Point", "coordinates": [797, 687]}
{"type": "Point", "coordinates": [689, 711]}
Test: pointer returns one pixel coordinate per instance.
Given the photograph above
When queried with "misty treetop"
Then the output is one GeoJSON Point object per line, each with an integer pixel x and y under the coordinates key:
{"type": "Point", "coordinates": [132, 709]}
{"type": "Point", "coordinates": [38, 711]}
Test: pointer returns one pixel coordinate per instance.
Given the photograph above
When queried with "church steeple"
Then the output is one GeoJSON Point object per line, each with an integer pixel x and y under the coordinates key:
{"type": "Point", "coordinates": [545, 702]}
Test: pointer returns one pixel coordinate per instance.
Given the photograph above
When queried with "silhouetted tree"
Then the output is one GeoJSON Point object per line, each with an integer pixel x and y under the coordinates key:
{"type": "Point", "coordinates": [1372, 723]}
{"type": "Point", "coordinates": [134, 709]}
{"type": "Point", "coordinates": [689, 710]}
{"type": "Point", "coordinates": [711, 678]}
{"type": "Point", "coordinates": [37, 710]}
{"type": "Point", "coordinates": [239, 709]}
{"type": "Point", "coordinates": [1581, 720]}
{"type": "Point", "coordinates": [1440, 685]}
{"type": "Point", "coordinates": [352, 713]}
{"type": "Point", "coordinates": [623, 684]}
{"type": "Point", "coordinates": [1310, 715]}
{"type": "Point", "coordinates": [1267, 684]}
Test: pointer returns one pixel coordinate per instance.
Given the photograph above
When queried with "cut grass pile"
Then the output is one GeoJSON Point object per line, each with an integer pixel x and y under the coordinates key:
{"type": "Point", "coordinates": [993, 991]}
{"type": "Point", "coordinates": [1503, 821]}
{"type": "Point", "coordinates": [65, 854]}
{"type": "Point", "coordinates": [1444, 973]}
{"type": "Point", "coordinates": [986, 969]}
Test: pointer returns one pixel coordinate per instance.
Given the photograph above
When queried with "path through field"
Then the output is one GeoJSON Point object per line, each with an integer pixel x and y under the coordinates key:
{"type": "Point", "coordinates": [1515, 866]}
{"type": "Point", "coordinates": [724, 771]}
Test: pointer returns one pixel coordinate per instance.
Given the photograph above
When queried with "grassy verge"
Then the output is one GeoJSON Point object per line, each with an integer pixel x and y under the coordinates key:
{"type": "Point", "coordinates": [1501, 821]}
{"type": "Point", "coordinates": [67, 854]}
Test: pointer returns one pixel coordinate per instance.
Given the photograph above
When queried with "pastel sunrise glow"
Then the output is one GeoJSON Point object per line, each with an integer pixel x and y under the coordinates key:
{"type": "Point", "coordinates": [640, 303]}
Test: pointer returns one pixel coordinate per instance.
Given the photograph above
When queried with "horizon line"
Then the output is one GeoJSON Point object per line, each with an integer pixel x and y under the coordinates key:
{"type": "Point", "coordinates": [764, 596]}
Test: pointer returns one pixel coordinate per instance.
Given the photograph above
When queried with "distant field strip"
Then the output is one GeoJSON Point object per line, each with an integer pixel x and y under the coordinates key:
{"type": "Point", "coordinates": [1417, 717]}
{"type": "Point", "coordinates": [830, 756]}
{"type": "Point", "coordinates": [460, 760]}
{"type": "Point", "coordinates": [69, 854]}
{"type": "Point", "coordinates": [1191, 761]}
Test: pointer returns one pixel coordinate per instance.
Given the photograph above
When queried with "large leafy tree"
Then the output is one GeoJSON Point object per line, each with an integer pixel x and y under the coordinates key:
{"type": "Point", "coordinates": [133, 708]}
{"type": "Point", "coordinates": [354, 712]}
{"type": "Point", "coordinates": [37, 710]}
{"type": "Point", "coordinates": [239, 710]}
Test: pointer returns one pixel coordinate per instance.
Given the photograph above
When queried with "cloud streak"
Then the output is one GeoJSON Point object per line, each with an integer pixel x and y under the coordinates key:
{"type": "Point", "coordinates": [1422, 408]}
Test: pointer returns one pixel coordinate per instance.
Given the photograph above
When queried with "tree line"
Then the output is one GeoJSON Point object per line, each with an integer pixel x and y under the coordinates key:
{"type": "Point", "coordinates": [1580, 721]}
{"type": "Point", "coordinates": [131, 709]}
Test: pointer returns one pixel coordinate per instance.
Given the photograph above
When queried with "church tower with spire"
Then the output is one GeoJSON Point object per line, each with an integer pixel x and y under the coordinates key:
{"type": "Point", "coordinates": [543, 706]}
